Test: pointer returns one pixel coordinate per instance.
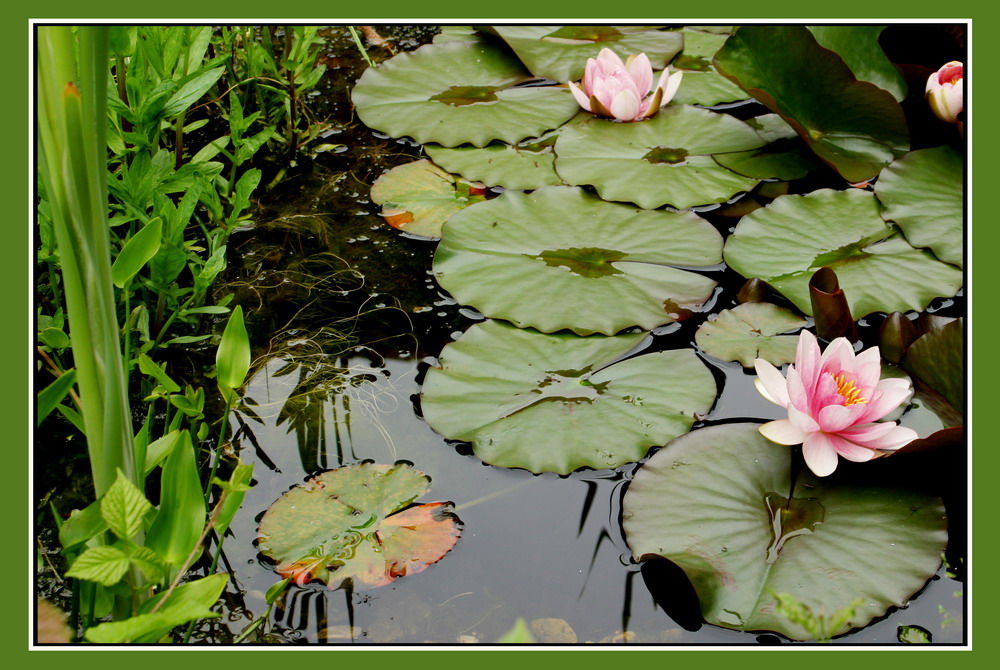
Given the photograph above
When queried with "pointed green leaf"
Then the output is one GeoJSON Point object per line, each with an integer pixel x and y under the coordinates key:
{"type": "Point", "coordinates": [193, 88]}
{"type": "Point", "coordinates": [82, 525]}
{"type": "Point", "coordinates": [136, 253]}
{"type": "Point", "coordinates": [124, 507]}
{"type": "Point", "coordinates": [159, 449]}
{"type": "Point", "coordinates": [104, 565]}
{"type": "Point", "coordinates": [181, 517]}
{"type": "Point", "coordinates": [235, 489]}
{"type": "Point", "coordinates": [54, 393]}
{"type": "Point", "coordinates": [150, 367]}
{"type": "Point", "coordinates": [232, 359]}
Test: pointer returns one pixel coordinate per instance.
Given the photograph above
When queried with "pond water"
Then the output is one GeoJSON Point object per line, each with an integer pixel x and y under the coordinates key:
{"type": "Point", "coordinates": [332, 388]}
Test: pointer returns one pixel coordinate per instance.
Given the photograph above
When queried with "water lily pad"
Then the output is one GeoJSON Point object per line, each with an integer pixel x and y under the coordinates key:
{"type": "Point", "coordinates": [556, 403]}
{"type": "Point", "coordinates": [560, 53]}
{"type": "Point", "coordinates": [457, 92]}
{"type": "Point", "coordinates": [786, 241]}
{"type": "Point", "coordinates": [859, 47]}
{"type": "Point", "coordinates": [561, 258]}
{"type": "Point", "coordinates": [751, 331]}
{"type": "Point", "coordinates": [702, 84]}
{"type": "Point", "coordinates": [714, 502]}
{"type": "Point", "coordinates": [420, 197]}
{"type": "Point", "coordinates": [938, 359]}
{"type": "Point", "coordinates": [666, 160]}
{"type": "Point", "coordinates": [854, 126]}
{"type": "Point", "coordinates": [922, 192]}
{"type": "Point", "coordinates": [526, 165]}
{"type": "Point", "coordinates": [354, 524]}
{"type": "Point", "coordinates": [785, 156]}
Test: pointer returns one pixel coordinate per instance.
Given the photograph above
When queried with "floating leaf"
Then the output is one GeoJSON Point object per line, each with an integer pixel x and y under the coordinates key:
{"type": "Point", "coordinates": [666, 160]}
{"type": "Point", "coordinates": [561, 258]}
{"type": "Point", "coordinates": [713, 502]}
{"type": "Point", "coordinates": [751, 331]}
{"type": "Point", "coordinates": [350, 525]}
{"type": "Point", "coordinates": [702, 84]}
{"type": "Point", "coordinates": [854, 126]}
{"type": "Point", "coordinates": [913, 635]}
{"type": "Point", "coordinates": [419, 197]}
{"type": "Point", "coordinates": [524, 166]}
{"type": "Point", "coordinates": [860, 49]}
{"type": "Point", "coordinates": [557, 403]}
{"type": "Point", "coordinates": [457, 92]}
{"type": "Point", "coordinates": [786, 241]}
{"type": "Point", "coordinates": [922, 193]}
{"type": "Point", "coordinates": [560, 53]}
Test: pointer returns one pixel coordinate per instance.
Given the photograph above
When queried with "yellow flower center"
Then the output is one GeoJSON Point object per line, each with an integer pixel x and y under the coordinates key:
{"type": "Point", "coordinates": [850, 392]}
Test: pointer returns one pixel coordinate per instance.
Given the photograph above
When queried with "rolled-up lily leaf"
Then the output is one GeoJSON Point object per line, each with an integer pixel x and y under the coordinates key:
{"type": "Point", "coordinates": [895, 336]}
{"type": "Point", "coordinates": [829, 306]}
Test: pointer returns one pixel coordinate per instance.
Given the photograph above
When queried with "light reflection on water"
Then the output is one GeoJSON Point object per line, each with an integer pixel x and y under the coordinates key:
{"type": "Point", "coordinates": [533, 547]}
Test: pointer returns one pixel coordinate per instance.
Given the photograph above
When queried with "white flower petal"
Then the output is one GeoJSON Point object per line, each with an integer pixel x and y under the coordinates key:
{"type": "Point", "coordinates": [580, 96]}
{"type": "Point", "coordinates": [770, 383]}
{"type": "Point", "coordinates": [820, 455]}
{"type": "Point", "coordinates": [782, 431]}
{"type": "Point", "coordinates": [624, 106]}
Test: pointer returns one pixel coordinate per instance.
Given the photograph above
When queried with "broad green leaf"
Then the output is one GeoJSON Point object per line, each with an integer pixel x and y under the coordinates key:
{"type": "Point", "coordinates": [714, 503]}
{"type": "Point", "coordinates": [104, 565]}
{"type": "Point", "coordinates": [419, 198]}
{"type": "Point", "coordinates": [854, 126]}
{"type": "Point", "coordinates": [191, 91]}
{"type": "Point", "coordinates": [938, 359]}
{"type": "Point", "coordinates": [922, 193]}
{"type": "Point", "coordinates": [139, 249]}
{"type": "Point", "coordinates": [54, 393]}
{"type": "Point", "coordinates": [860, 49]}
{"type": "Point", "coordinates": [557, 403]}
{"type": "Point", "coordinates": [54, 338]}
{"type": "Point", "coordinates": [149, 563]}
{"type": "Point", "coordinates": [350, 525]}
{"type": "Point", "coordinates": [124, 507]}
{"type": "Point", "coordinates": [150, 367]}
{"type": "Point", "coordinates": [666, 160]}
{"type": "Point", "coordinates": [561, 258]}
{"type": "Point", "coordinates": [750, 331]}
{"type": "Point", "coordinates": [82, 525]}
{"type": "Point", "coordinates": [785, 242]}
{"type": "Point", "coordinates": [159, 449]}
{"type": "Point", "coordinates": [560, 53]}
{"type": "Point", "coordinates": [701, 84]}
{"type": "Point", "coordinates": [181, 517]}
{"type": "Point", "coordinates": [524, 166]}
{"type": "Point", "coordinates": [188, 602]}
{"type": "Point", "coordinates": [457, 92]}
{"type": "Point", "coordinates": [232, 359]}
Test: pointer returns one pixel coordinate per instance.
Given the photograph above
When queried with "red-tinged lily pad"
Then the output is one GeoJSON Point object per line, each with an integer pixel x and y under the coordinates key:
{"type": "Point", "coordinates": [419, 197]}
{"type": "Point", "coordinates": [355, 525]}
{"type": "Point", "coordinates": [751, 331]}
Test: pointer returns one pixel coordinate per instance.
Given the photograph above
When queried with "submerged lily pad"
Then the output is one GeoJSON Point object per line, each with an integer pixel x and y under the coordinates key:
{"type": "Point", "coordinates": [457, 92]}
{"type": "Point", "coordinates": [789, 239]}
{"type": "Point", "coordinates": [702, 84]}
{"type": "Point", "coordinates": [854, 126]}
{"type": "Point", "coordinates": [922, 192]}
{"type": "Point", "coordinates": [354, 524]}
{"type": "Point", "coordinates": [526, 165]}
{"type": "Point", "coordinates": [420, 197]}
{"type": "Point", "coordinates": [561, 258]}
{"type": "Point", "coordinates": [751, 331]}
{"type": "Point", "coordinates": [556, 403]}
{"type": "Point", "coordinates": [561, 52]}
{"type": "Point", "coordinates": [714, 502]}
{"type": "Point", "coordinates": [624, 161]}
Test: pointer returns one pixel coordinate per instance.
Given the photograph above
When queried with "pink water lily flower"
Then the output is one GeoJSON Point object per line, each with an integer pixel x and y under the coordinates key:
{"type": "Point", "coordinates": [945, 89]}
{"type": "Point", "coordinates": [834, 401]}
{"type": "Point", "coordinates": [619, 90]}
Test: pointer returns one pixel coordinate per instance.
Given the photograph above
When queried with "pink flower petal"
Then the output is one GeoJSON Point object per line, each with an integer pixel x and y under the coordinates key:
{"type": "Point", "coordinates": [807, 360]}
{"type": "Point", "coordinates": [770, 383]}
{"type": "Point", "coordinates": [782, 431]}
{"type": "Point", "coordinates": [798, 397]}
{"type": "Point", "coordinates": [839, 356]}
{"type": "Point", "coordinates": [867, 434]}
{"type": "Point", "coordinates": [641, 72]}
{"type": "Point", "coordinates": [610, 58]}
{"type": "Point", "coordinates": [894, 438]}
{"type": "Point", "coordinates": [820, 454]}
{"type": "Point", "coordinates": [851, 451]}
{"type": "Point", "coordinates": [802, 421]}
{"type": "Point", "coordinates": [835, 418]}
{"type": "Point", "coordinates": [887, 397]}
{"type": "Point", "coordinates": [867, 368]}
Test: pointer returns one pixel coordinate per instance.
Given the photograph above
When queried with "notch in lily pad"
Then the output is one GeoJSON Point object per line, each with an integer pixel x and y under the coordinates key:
{"type": "Point", "coordinates": [356, 526]}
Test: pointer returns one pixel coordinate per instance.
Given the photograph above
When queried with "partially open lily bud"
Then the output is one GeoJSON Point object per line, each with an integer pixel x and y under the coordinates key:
{"type": "Point", "coordinates": [945, 92]}
{"type": "Point", "coordinates": [619, 89]}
